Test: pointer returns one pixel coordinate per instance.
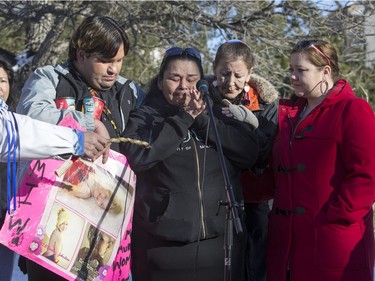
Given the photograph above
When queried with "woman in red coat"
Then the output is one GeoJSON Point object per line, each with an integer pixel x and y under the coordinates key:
{"type": "Point", "coordinates": [320, 226]}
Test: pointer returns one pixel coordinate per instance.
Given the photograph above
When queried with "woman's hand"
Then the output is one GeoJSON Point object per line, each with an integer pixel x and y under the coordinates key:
{"type": "Point", "coordinates": [240, 113]}
{"type": "Point", "coordinates": [196, 104]}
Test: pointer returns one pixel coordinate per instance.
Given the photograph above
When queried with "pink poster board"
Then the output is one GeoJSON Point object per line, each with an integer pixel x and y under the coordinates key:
{"type": "Point", "coordinates": [75, 222]}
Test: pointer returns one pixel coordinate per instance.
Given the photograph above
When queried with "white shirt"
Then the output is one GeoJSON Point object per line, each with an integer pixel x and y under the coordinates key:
{"type": "Point", "coordinates": [36, 139]}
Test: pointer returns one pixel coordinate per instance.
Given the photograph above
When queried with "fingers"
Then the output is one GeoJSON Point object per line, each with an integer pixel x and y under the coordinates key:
{"type": "Point", "coordinates": [197, 99]}
{"type": "Point", "coordinates": [226, 111]}
{"type": "Point", "coordinates": [95, 146]}
{"type": "Point", "coordinates": [101, 129]}
{"type": "Point", "coordinates": [195, 104]}
{"type": "Point", "coordinates": [195, 94]}
{"type": "Point", "coordinates": [105, 155]}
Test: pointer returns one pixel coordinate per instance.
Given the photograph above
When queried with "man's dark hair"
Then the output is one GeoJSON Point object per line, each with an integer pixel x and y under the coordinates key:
{"type": "Point", "coordinates": [99, 35]}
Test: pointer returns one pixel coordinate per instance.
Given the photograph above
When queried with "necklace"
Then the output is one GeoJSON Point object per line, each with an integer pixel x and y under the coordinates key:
{"type": "Point", "coordinates": [106, 112]}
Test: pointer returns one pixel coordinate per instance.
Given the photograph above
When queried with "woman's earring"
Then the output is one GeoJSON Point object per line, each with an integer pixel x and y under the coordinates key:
{"type": "Point", "coordinates": [214, 83]}
{"type": "Point", "coordinates": [246, 88]}
{"type": "Point", "coordinates": [323, 92]}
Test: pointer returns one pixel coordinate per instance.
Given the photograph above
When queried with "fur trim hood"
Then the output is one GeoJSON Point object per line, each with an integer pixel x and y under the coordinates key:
{"type": "Point", "coordinates": [265, 89]}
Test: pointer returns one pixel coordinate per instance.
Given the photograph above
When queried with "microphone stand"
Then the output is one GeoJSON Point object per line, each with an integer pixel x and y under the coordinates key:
{"type": "Point", "coordinates": [232, 212]}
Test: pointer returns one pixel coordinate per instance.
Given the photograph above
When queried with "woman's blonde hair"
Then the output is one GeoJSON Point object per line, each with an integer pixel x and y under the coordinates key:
{"type": "Point", "coordinates": [62, 216]}
{"type": "Point", "coordinates": [115, 207]}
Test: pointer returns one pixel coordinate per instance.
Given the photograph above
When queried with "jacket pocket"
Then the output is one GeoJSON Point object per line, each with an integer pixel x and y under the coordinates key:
{"type": "Point", "coordinates": [339, 247]}
{"type": "Point", "coordinates": [181, 221]}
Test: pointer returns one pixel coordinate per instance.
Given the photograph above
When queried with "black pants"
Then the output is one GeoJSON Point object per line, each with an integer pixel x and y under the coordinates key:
{"type": "Point", "coordinates": [257, 227]}
{"type": "Point", "coordinates": [157, 260]}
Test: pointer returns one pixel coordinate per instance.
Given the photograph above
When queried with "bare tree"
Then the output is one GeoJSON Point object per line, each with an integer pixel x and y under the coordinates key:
{"type": "Point", "coordinates": [269, 27]}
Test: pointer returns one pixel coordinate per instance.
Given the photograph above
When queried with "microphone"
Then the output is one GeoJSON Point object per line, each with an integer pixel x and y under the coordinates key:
{"type": "Point", "coordinates": [202, 87]}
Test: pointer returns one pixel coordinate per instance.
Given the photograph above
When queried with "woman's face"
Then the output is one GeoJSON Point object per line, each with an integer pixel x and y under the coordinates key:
{"type": "Point", "coordinates": [180, 77]}
{"type": "Point", "coordinates": [102, 197]}
{"type": "Point", "coordinates": [305, 77]}
{"type": "Point", "coordinates": [231, 77]}
{"type": "Point", "coordinates": [104, 243]}
{"type": "Point", "coordinates": [4, 84]}
{"type": "Point", "coordinates": [63, 226]}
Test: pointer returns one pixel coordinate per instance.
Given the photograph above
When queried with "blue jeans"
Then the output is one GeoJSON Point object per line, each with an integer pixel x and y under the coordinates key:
{"type": "Point", "coordinates": [9, 270]}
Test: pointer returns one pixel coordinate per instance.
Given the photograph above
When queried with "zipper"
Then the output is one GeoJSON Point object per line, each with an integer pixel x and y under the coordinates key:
{"type": "Point", "coordinates": [200, 195]}
{"type": "Point", "coordinates": [294, 129]}
{"type": "Point", "coordinates": [292, 133]}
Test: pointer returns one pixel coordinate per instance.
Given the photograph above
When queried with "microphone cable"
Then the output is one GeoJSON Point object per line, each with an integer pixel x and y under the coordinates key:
{"type": "Point", "coordinates": [201, 199]}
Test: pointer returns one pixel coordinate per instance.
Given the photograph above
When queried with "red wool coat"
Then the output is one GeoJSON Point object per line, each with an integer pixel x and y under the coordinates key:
{"type": "Point", "coordinates": [321, 226]}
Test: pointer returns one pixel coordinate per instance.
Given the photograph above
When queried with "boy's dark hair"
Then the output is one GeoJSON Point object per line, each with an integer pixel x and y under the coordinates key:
{"type": "Point", "coordinates": [99, 35]}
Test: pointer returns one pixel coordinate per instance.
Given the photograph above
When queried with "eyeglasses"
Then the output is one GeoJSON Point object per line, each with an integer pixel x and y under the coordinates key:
{"type": "Point", "coordinates": [176, 51]}
{"type": "Point", "coordinates": [305, 44]}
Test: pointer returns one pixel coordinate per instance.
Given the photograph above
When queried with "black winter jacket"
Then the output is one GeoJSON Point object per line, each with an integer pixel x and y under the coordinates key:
{"type": "Point", "coordinates": [179, 179]}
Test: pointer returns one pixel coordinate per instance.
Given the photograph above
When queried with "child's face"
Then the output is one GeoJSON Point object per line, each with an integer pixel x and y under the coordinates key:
{"type": "Point", "coordinates": [63, 226]}
{"type": "Point", "coordinates": [102, 197]}
{"type": "Point", "coordinates": [104, 243]}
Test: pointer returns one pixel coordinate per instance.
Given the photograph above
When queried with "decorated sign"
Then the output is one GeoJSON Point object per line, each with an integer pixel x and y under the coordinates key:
{"type": "Point", "coordinates": [74, 217]}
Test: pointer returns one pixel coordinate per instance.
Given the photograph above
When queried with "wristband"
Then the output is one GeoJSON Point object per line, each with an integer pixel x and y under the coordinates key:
{"type": "Point", "coordinates": [79, 146]}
